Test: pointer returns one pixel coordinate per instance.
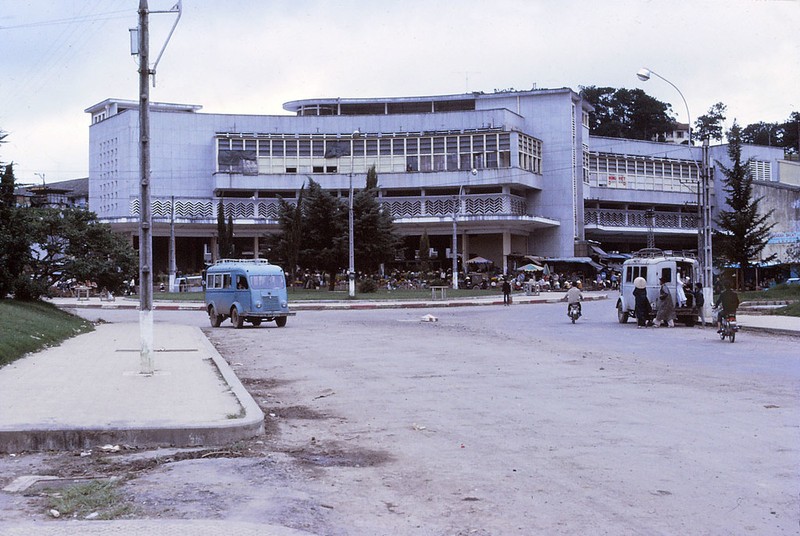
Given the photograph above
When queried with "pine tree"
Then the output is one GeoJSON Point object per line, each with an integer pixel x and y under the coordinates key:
{"type": "Point", "coordinates": [325, 232]}
{"type": "Point", "coordinates": [375, 237]}
{"type": "Point", "coordinates": [223, 243]}
{"type": "Point", "coordinates": [743, 230]}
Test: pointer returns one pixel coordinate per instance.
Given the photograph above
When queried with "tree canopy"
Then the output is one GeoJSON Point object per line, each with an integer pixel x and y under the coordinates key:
{"type": "Point", "coordinates": [39, 246]}
{"type": "Point", "coordinates": [627, 113]}
{"type": "Point", "coordinates": [743, 230]}
{"type": "Point", "coordinates": [709, 125]}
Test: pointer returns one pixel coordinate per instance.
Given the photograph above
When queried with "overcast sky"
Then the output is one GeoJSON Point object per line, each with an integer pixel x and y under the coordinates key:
{"type": "Point", "coordinates": [58, 57]}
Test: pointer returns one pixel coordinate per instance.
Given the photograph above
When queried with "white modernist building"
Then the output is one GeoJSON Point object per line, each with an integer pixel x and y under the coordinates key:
{"type": "Point", "coordinates": [517, 170]}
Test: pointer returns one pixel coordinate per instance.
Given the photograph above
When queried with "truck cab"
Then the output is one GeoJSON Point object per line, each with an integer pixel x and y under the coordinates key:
{"type": "Point", "coordinates": [652, 264]}
{"type": "Point", "coordinates": [246, 290]}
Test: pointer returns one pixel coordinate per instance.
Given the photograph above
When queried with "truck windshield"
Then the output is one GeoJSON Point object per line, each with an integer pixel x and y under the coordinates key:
{"type": "Point", "coordinates": [267, 281]}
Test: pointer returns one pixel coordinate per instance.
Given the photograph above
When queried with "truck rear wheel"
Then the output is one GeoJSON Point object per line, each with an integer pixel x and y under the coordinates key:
{"type": "Point", "coordinates": [622, 316]}
{"type": "Point", "coordinates": [280, 321]}
{"type": "Point", "coordinates": [213, 317]}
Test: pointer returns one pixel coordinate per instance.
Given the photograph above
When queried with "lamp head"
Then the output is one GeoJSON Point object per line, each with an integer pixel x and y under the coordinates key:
{"type": "Point", "coordinates": [643, 74]}
{"type": "Point", "coordinates": [356, 133]}
{"type": "Point", "coordinates": [474, 171]}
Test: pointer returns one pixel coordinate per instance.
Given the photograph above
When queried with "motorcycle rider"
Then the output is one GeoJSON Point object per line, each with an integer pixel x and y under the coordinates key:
{"type": "Point", "coordinates": [574, 295]}
{"type": "Point", "coordinates": [728, 302]}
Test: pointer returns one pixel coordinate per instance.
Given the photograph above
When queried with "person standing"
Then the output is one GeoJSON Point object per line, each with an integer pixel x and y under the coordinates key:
{"type": "Point", "coordinates": [699, 302]}
{"type": "Point", "coordinates": [506, 292]}
{"type": "Point", "coordinates": [665, 308]}
{"type": "Point", "coordinates": [641, 302]}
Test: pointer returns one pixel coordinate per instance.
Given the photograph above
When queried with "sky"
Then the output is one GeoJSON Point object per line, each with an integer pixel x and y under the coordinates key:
{"type": "Point", "coordinates": [58, 57]}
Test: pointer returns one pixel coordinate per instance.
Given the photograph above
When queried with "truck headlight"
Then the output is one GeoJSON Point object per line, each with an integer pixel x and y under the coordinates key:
{"type": "Point", "coordinates": [258, 305]}
{"type": "Point", "coordinates": [284, 305]}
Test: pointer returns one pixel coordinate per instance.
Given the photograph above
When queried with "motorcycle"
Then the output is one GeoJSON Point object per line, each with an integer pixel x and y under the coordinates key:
{"type": "Point", "coordinates": [574, 311]}
{"type": "Point", "coordinates": [729, 327]}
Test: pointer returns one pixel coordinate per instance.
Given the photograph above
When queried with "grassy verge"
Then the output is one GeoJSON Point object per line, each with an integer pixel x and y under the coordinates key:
{"type": "Point", "coordinates": [325, 294]}
{"type": "Point", "coordinates": [30, 326]}
{"type": "Point", "coordinates": [777, 293]}
{"type": "Point", "coordinates": [99, 500]}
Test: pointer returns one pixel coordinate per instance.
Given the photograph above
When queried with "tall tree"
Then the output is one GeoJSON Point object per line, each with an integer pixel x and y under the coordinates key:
{"type": "Point", "coordinates": [325, 241]}
{"type": "Point", "coordinates": [375, 237]}
{"type": "Point", "coordinates": [627, 113]}
{"type": "Point", "coordinates": [224, 245]}
{"type": "Point", "coordinates": [790, 140]}
{"type": "Point", "coordinates": [743, 230]}
{"type": "Point", "coordinates": [15, 246]}
{"type": "Point", "coordinates": [709, 125]}
{"type": "Point", "coordinates": [762, 133]}
{"type": "Point", "coordinates": [288, 241]}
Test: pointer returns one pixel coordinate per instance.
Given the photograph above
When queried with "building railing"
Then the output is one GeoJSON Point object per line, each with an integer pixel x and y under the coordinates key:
{"type": "Point", "coordinates": [204, 209]}
{"type": "Point", "coordinates": [639, 218]}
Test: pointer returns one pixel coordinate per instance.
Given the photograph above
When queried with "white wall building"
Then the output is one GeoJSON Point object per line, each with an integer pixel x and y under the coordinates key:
{"type": "Point", "coordinates": [542, 185]}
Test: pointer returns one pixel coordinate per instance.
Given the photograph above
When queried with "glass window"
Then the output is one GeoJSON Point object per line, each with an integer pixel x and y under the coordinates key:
{"type": "Point", "coordinates": [412, 146]}
{"type": "Point", "coordinates": [277, 148]}
{"type": "Point", "coordinates": [250, 145]}
{"type": "Point", "coordinates": [305, 147]}
{"type": "Point", "coordinates": [237, 145]}
{"type": "Point", "coordinates": [223, 144]}
{"type": "Point", "coordinates": [267, 282]}
{"type": "Point", "coordinates": [358, 147]}
{"type": "Point", "coordinates": [398, 146]}
{"type": "Point", "coordinates": [226, 280]}
{"type": "Point", "coordinates": [477, 143]}
{"type": "Point", "coordinates": [424, 146]}
{"type": "Point", "coordinates": [412, 163]}
{"type": "Point", "coordinates": [438, 145]}
{"type": "Point", "coordinates": [263, 148]}
{"type": "Point", "coordinates": [385, 147]}
{"type": "Point", "coordinates": [291, 147]}
{"type": "Point", "coordinates": [318, 148]}
{"type": "Point", "coordinates": [372, 147]}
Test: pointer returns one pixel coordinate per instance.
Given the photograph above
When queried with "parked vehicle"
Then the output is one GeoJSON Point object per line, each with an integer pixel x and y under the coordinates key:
{"type": "Point", "coordinates": [729, 327]}
{"type": "Point", "coordinates": [574, 312]}
{"type": "Point", "coordinates": [652, 264]}
{"type": "Point", "coordinates": [189, 283]}
{"type": "Point", "coordinates": [246, 290]}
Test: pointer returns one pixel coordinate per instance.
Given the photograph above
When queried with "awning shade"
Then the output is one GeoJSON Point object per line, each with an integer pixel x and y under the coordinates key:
{"type": "Point", "coordinates": [530, 267]}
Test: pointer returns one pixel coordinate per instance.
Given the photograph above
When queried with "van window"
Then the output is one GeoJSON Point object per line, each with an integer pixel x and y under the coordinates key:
{"type": "Point", "coordinates": [267, 281]}
{"type": "Point", "coordinates": [226, 280]}
{"type": "Point", "coordinates": [636, 271]}
{"type": "Point", "coordinates": [629, 274]}
{"type": "Point", "coordinates": [241, 282]}
{"type": "Point", "coordinates": [666, 275]}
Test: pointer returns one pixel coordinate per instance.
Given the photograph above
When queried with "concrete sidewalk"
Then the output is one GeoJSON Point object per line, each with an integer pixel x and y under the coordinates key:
{"type": "Point", "coordinates": [89, 392]}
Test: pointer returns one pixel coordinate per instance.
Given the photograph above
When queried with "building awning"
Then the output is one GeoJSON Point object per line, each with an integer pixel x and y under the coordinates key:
{"type": "Point", "coordinates": [575, 260]}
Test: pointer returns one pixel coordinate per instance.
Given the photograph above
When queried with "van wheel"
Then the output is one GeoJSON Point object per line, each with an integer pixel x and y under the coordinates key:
{"type": "Point", "coordinates": [213, 317]}
{"type": "Point", "coordinates": [280, 321]}
{"type": "Point", "coordinates": [622, 316]}
{"type": "Point", "coordinates": [256, 322]}
{"type": "Point", "coordinates": [689, 321]}
{"type": "Point", "coordinates": [236, 319]}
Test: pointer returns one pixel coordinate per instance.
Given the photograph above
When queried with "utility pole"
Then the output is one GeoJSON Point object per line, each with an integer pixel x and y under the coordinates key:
{"type": "Point", "coordinates": [173, 268]}
{"type": "Point", "coordinates": [140, 45]}
{"type": "Point", "coordinates": [708, 258]}
{"type": "Point", "coordinates": [145, 213]}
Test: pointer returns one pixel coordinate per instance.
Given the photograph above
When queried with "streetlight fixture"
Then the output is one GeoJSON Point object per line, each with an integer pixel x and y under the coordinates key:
{"type": "Point", "coordinates": [351, 271]}
{"type": "Point", "coordinates": [644, 75]}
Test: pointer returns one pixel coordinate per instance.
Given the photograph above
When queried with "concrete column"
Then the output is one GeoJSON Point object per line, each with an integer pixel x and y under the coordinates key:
{"type": "Point", "coordinates": [255, 247]}
{"type": "Point", "coordinates": [506, 250]}
{"type": "Point", "coordinates": [214, 250]}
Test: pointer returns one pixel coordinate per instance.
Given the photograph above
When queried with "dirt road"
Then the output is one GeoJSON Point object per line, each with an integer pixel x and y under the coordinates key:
{"type": "Point", "coordinates": [491, 420]}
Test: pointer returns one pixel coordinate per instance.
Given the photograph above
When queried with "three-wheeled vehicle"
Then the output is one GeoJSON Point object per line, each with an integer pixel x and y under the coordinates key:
{"type": "Point", "coordinates": [246, 290]}
{"type": "Point", "coordinates": [653, 264]}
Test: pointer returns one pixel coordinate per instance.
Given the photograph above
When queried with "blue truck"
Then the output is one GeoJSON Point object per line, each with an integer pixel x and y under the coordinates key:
{"type": "Point", "coordinates": [246, 290]}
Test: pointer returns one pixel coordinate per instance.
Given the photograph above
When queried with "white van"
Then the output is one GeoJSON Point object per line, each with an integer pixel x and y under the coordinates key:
{"type": "Point", "coordinates": [652, 264]}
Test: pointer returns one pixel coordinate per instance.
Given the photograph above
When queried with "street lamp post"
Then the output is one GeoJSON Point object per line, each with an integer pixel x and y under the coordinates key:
{"type": "Point", "coordinates": [703, 202]}
{"type": "Point", "coordinates": [456, 208]}
{"type": "Point", "coordinates": [351, 270]}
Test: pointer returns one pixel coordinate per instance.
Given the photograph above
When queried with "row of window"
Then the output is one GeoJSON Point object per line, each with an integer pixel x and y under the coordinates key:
{"type": "Point", "coordinates": [639, 173]}
{"type": "Point", "coordinates": [425, 153]}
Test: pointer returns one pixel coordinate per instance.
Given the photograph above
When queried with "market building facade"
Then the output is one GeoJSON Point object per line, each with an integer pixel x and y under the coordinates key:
{"type": "Point", "coordinates": [517, 171]}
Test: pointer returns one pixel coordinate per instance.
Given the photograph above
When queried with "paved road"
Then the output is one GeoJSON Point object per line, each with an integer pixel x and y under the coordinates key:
{"type": "Point", "coordinates": [500, 420]}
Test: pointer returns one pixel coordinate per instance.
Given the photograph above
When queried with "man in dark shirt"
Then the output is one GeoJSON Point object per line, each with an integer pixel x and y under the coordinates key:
{"type": "Point", "coordinates": [728, 301]}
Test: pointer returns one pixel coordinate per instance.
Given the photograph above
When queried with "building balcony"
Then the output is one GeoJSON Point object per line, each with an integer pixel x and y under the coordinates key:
{"type": "Point", "coordinates": [616, 220]}
{"type": "Point", "coordinates": [474, 208]}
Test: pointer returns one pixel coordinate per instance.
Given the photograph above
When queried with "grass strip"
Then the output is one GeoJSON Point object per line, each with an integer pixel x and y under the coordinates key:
{"type": "Point", "coordinates": [31, 326]}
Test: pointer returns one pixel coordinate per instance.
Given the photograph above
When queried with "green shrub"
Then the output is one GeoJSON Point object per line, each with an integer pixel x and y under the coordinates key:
{"type": "Point", "coordinates": [367, 286]}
